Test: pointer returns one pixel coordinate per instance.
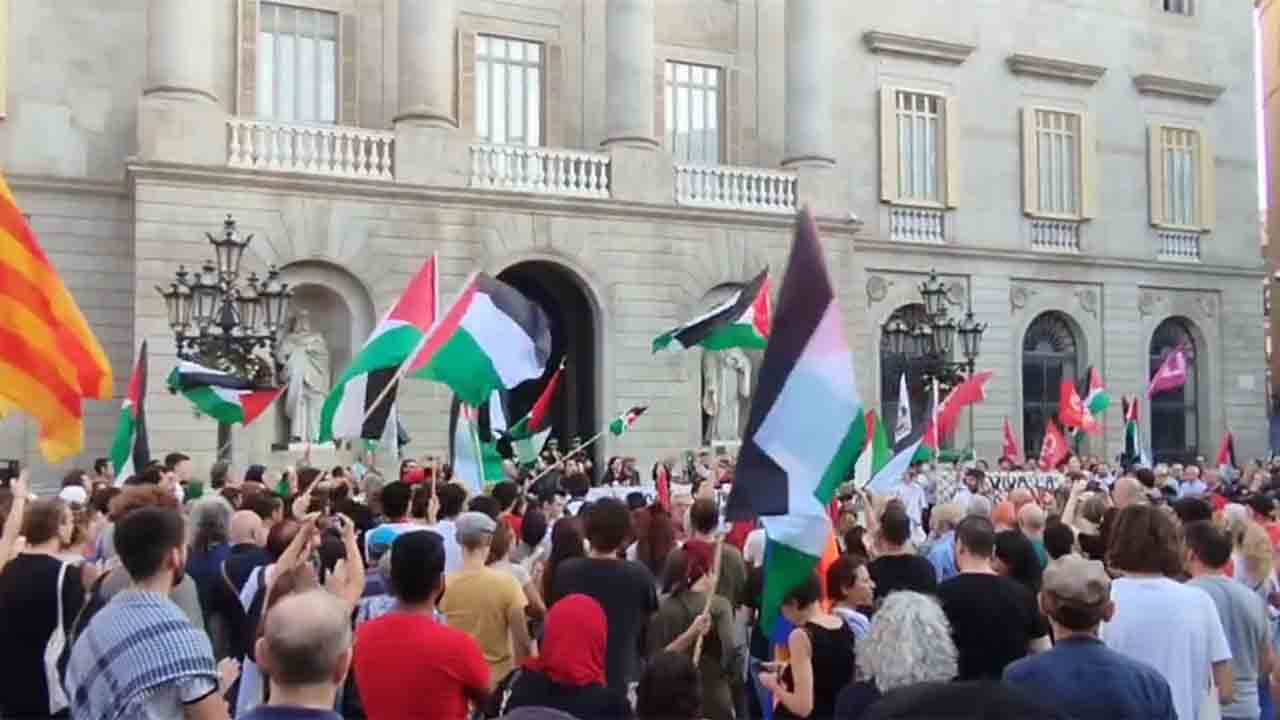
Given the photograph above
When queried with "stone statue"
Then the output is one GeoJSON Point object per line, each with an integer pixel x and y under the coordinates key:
{"type": "Point", "coordinates": [726, 393]}
{"type": "Point", "coordinates": [305, 356]}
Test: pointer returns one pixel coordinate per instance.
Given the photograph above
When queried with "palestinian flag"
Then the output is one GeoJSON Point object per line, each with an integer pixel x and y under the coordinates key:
{"type": "Point", "coordinates": [530, 433]}
{"type": "Point", "coordinates": [1132, 443]}
{"type": "Point", "coordinates": [222, 396]}
{"type": "Point", "coordinates": [491, 338]}
{"type": "Point", "coordinates": [793, 458]}
{"type": "Point", "coordinates": [476, 463]}
{"type": "Point", "coordinates": [625, 421]}
{"type": "Point", "coordinates": [1227, 454]}
{"type": "Point", "coordinates": [1096, 399]}
{"type": "Point", "coordinates": [743, 321]}
{"type": "Point", "coordinates": [129, 450]}
{"type": "Point", "coordinates": [876, 453]}
{"type": "Point", "coordinates": [349, 410]}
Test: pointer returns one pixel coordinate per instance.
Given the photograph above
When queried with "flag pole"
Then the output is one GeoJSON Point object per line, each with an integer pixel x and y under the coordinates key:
{"type": "Point", "coordinates": [562, 460]}
{"type": "Point", "coordinates": [711, 593]}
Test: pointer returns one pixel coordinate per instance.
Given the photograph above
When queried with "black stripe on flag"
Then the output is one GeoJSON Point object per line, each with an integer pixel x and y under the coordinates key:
{"type": "Point", "coordinates": [141, 443]}
{"type": "Point", "coordinates": [375, 422]}
{"type": "Point", "coordinates": [524, 312]}
{"type": "Point", "coordinates": [700, 329]}
{"type": "Point", "coordinates": [759, 487]}
{"type": "Point", "coordinates": [191, 380]}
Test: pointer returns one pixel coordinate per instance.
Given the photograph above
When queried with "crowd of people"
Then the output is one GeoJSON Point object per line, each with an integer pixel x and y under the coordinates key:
{"type": "Point", "coordinates": [312, 594]}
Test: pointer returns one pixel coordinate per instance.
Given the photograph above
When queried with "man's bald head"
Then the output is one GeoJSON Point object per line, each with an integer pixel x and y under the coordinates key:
{"type": "Point", "coordinates": [1020, 496]}
{"type": "Point", "coordinates": [1031, 519]}
{"type": "Point", "coordinates": [306, 641]}
{"type": "Point", "coordinates": [247, 527]}
{"type": "Point", "coordinates": [1128, 491]}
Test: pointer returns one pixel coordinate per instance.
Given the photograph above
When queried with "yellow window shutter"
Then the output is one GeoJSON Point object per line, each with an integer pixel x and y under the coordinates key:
{"type": "Point", "coordinates": [888, 144]}
{"type": "Point", "coordinates": [348, 43]}
{"type": "Point", "coordinates": [465, 87]}
{"type": "Point", "coordinates": [1088, 166]}
{"type": "Point", "coordinates": [1030, 163]}
{"type": "Point", "coordinates": [1155, 172]}
{"type": "Point", "coordinates": [1208, 183]}
{"type": "Point", "coordinates": [552, 90]}
{"type": "Point", "coordinates": [951, 150]}
{"type": "Point", "coordinates": [247, 59]}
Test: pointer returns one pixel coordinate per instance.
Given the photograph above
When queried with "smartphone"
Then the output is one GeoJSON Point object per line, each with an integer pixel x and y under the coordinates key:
{"type": "Point", "coordinates": [9, 470]}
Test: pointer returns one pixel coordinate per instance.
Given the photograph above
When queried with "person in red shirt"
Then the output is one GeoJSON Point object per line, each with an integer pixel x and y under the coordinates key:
{"type": "Point", "coordinates": [408, 665]}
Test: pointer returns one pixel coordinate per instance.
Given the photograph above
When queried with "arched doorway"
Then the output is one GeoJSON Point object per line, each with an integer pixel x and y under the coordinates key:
{"type": "Point", "coordinates": [1175, 414]}
{"type": "Point", "coordinates": [1049, 354]}
{"type": "Point", "coordinates": [564, 298]}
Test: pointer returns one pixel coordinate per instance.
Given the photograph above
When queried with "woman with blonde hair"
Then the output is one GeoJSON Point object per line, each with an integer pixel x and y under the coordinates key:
{"type": "Point", "coordinates": [1254, 562]}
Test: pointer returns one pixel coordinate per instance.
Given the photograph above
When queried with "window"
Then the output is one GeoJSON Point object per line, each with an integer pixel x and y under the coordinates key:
{"type": "Point", "coordinates": [1179, 7]}
{"type": "Point", "coordinates": [691, 107]}
{"type": "Point", "coordinates": [508, 91]}
{"type": "Point", "coordinates": [1048, 355]}
{"type": "Point", "coordinates": [1181, 178]}
{"type": "Point", "coordinates": [1057, 160]}
{"type": "Point", "coordinates": [297, 71]}
{"type": "Point", "coordinates": [918, 147]}
{"type": "Point", "coordinates": [1175, 417]}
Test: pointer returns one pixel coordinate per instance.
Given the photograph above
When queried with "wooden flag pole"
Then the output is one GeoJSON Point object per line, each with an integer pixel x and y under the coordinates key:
{"type": "Point", "coordinates": [561, 461]}
{"type": "Point", "coordinates": [711, 593]}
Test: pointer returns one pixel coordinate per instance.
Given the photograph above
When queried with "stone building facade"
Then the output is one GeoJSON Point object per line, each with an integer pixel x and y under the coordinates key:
{"type": "Point", "coordinates": [1081, 174]}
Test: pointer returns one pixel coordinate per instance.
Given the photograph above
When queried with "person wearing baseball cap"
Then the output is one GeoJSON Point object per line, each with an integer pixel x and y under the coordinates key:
{"type": "Point", "coordinates": [486, 603]}
{"type": "Point", "coordinates": [1080, 675]}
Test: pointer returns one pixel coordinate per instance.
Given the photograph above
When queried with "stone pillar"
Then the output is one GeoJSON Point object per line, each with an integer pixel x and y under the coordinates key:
{"type": "Point", "coordinates": [810, 53]}
{"type": "Point", "coordinates": [629, 28]}
{"type": "Point", "coordinates": [426, 37]}
{"type": "Point", "coordinates": [430, 147]}
{"type": "Point", "coordinates": [180, 50]}
{"type": "Point", "coordinates": [179, 118]}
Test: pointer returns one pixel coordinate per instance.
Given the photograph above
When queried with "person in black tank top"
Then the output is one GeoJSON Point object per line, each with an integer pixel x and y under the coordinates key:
{"type": "Point", "coordinates": [821, 658]}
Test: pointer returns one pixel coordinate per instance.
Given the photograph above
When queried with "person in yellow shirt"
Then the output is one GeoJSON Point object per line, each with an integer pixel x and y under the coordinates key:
{"type": "Point", "coordinates": [487, 604]}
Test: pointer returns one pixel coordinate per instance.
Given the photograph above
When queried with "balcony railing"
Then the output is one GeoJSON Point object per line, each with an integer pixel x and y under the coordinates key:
{"type": "Point", "coordinates": [735, 188]}
{"type": "Point", "coordinates": [918, 225]}
{"type": "Point", "coordinates": [545, 171]}
{"type": "Point", "coordinates": [1062, 236]}
{"type": "Point", "coordinates": [331, 150]}
{"type": "Point", "coordinates": [1179, 246]}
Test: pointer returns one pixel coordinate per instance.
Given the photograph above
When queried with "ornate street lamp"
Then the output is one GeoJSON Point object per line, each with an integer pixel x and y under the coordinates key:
{"type": "Point", "coordinates": [928, 340]}
{"type": "Point", "coordinates": [223, 323]}
{"type": "Point", "coordinates": [898, 334]}
{"type": "Point", "coordinates": [935, 296]}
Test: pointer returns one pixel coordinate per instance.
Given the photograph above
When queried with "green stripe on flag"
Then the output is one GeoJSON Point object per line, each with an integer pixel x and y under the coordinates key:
{"type": "Point", "coordinates": [737, 335]}
{"type": "Point", "coordinates": [841, 465]}
{"type": "Point", "coordinates": [465, 367]}
{"type": "Point", "coordinates": [785, 568]}
{"type": "Point", "coordinates": [208, 401]}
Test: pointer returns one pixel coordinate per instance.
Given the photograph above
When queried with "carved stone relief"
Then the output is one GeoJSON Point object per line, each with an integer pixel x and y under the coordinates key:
{"type": "Point", "coordinates": [1018, 297]}
{"type": "Point", "coordinates": [1088, 299]}
{"type": "Point", "coordinates": [877, 289]}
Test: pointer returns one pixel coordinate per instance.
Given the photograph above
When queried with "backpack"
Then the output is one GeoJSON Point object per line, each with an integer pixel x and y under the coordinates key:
{"type": "Point", "coordinates": [93, 602]}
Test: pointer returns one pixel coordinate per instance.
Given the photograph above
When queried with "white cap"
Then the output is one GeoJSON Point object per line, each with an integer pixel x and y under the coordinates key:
{"type": "Point", "coordinates": [74, 494]}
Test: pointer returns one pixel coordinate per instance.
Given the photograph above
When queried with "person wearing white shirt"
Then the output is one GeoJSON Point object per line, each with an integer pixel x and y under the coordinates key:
{"type": "Point", "coordinates": [912, 496]}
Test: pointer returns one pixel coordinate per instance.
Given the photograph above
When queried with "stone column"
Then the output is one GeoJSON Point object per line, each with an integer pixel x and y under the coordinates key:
{"type": "Point", "coordinates": [427, 33]}
{"type": "Point", "coordinates": [430, 147]}
{"type": "Point", "coordinates": [810, 56]}
{"type": "Point", "coordinates": [629, 28]}
{"type": "Point", "coordinates": [180, 50]}
{"type": "Point", "coordinates": [179, 117]}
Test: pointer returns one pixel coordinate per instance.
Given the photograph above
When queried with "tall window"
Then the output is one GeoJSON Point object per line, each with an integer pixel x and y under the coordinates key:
{"type": "Point", "coordinates": [1175, 415]}
{"type": "Point", "coordinates": [1048, 355]}
{"type": "Point", "coordinates": [1180, 150]}
{"type": "Point", "coordinates": [1179, 7]}
{"type": "Point", "coordinates": [297, 73]}
{"type": "Point", "coordinates": [892, 366]}
{"type": "Point", "coordinates": [1057, 147]}
{"type": "Point", "coordinates": [508, 89]}
{"type": "Point", "coordinates": [919, 120]}
{"type": "Point", "coordinates": [691, 106]}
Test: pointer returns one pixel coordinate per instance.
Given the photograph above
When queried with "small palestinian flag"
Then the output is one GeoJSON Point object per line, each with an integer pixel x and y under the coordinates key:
{"type": "Point", "coordinates": [530, 433]}
{"type": "Point", "coordinates": [1132, 443]}
{"type": "Point", "coordinates": [626, 420]}
{"type": "Point", "coordinates": [491, 338]}
{"type": "Point", "coordinates": [1227, 454]}
{"type": "Point", "coordinates": [745, 320]}
{"type": "Point", "coordinates": [222, 396]}
{"type": "Point", "coordinates": [130, 451]}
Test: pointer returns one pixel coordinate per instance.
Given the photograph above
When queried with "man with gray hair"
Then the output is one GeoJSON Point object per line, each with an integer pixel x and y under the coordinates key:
{"type": "Point", "coordinates": [305, 649]}
{"type": "Point", "coordinates": [1031, 520]}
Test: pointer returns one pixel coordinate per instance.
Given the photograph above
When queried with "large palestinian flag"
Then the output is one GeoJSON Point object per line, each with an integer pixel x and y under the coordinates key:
{"type": "Point", "coordinates": [743, 321]}
{"type": "Point", "coordinates": [493, 337]}
{"type": "Point", "coordinates": [349, 411]}
{"type": "Point", "coordinates": [793, 458]}
{"type": "Point", "coordinates": [130, 451]}
{"type": "Point", "coordinates": [222, 396]}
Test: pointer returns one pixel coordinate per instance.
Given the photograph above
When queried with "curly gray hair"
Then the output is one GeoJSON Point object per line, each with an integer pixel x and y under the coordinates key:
{"type": "Point", "coordinates": [909, 642]}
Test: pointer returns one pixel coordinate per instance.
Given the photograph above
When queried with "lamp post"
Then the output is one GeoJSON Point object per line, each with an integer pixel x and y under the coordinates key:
{"type": "Point", "coordinates": [223, 322]}
{"type": "Point", "coordinates": [931, 339]}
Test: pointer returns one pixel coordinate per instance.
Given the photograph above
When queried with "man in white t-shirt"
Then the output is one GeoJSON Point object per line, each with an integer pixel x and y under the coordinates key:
{"type": "Point", "coordinates": [1172, 627]}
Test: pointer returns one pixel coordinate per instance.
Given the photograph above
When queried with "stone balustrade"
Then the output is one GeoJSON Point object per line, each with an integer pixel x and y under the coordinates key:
{"type": "Point", "coordinates": [735, 188]}
{"type": "Point", "coordinates": [917, 224]}
{"type": "Point", "coordinates": [1062, 236]}
{"type": "Point", "coordinates": [545, 171]}
{"type": "Point", "coordinates": [331, 150]}
{"type": "Point", "coordinates": [1178, 245]}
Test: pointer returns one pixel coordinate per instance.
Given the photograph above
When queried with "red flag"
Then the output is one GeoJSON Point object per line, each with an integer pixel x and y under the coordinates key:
{"type": "Point", "coordinates": [1012, 448]}
{"type": "Point", "coordinates": [1054, 450]}
{"type": "Point", "coordinates": [967, 393]}
{"type": "Point", "coordinates": [1171, 375]}
{"type": "Point", "coordinates": [662, 484]}
{"type": "Point", "coordinates": [1070, 408]}
{"type": "Point", "coordinates": [1227, 451]}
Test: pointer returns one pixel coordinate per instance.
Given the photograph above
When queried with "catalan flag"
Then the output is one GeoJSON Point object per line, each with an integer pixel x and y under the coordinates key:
{"type": "Point", "coordinates": [50, 360]}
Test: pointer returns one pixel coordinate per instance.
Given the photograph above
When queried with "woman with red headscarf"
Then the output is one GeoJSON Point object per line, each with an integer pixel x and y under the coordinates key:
{"type": "Point", "coordinates": [569, 674]}
{"type": "Point", "coordinates": [680, 620]}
